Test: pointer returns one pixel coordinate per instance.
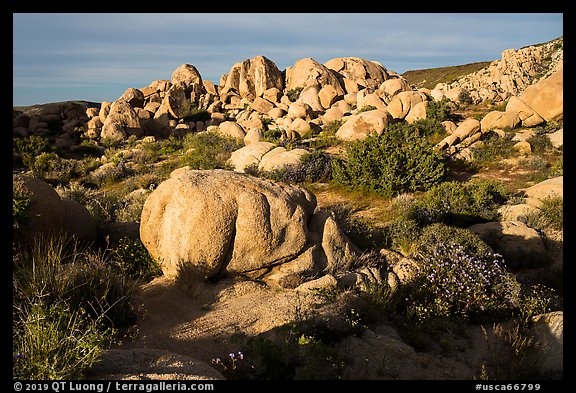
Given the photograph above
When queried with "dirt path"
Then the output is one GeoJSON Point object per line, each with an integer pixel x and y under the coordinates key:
{"type": "Point", "coordinates": [211, 320]}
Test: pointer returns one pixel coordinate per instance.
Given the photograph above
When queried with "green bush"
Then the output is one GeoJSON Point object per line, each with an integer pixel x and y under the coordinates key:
{"type": "Point", "coordinates": [494, 149]}
{"type": "Point", "coordinates": [53, 342]}
{"type": "Point", "coordinates": [551, 215]}
{"type": "Point", "coordinates": [460, 204]}
{"type": "Point", "coordinates": [208, 150]}
{"type": "Point", "coordinates": [32, 146]}
{"type": "Point", "coordinates": [438, 233]}
{"type": "Point", "coordinates": [293, 94]}
{"type": "Point", "coordinates": [21, 202]}
{"type": "Point", "coordinates": [403, 236]}
{"type": "Point", "coordinates": [63, 301]}
{"type": "Point", "coordinates": [132, 259]}
{"type": "Point", "coordinates": [397, 161]}
{"type": "Point", "coordinates": [367, 108]}
{"type": "Point", "coordinates": [439, 110]}
{"type": "Point", "coordinates": [92, 285]}
{"type": "Point", "coordinates": [452, 283]}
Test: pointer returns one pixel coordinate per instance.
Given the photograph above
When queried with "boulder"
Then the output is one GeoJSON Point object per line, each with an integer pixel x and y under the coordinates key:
{"type": "Point", "coordinates": [78, 222]}
{"type": "Point", "coordinates": [134, 97]}
{"type": "Point", "coordinates": [186, 74]}
{"type": "Point", "coordinates": [520, 245]}
{"type": "Point", "coordinates": [417, 112]}
{"type": "Point", "coordinates": [332, 114]}
{"type": "Point", "coordinates": [557, 138]}
{"type": "Point", "coordinates": [309, 95]}
{"type": "Point", "coordinates": [217, 221]}
{"type": "Point", "coordinates": [403, 102]}
{"type": "Point", "coordinates": [232, 129]}
{"type": "Point", "coordinates": [546, 97]}
{"type": "Point", "coordinates": [104, 110]}
{"type": "Point", "coordinates": [253, 135]}
{"type": "Point", "coordinates": [361, 125]}
{"type": "Point", "coordinates": [527, 115]}
{"type": "Point", "coordinates": [50, 215]}
{"type": "Point", "coordinates": [328, 95]}
{"type": "Point", "coordinates": [175, 104]}
{"type": "Point", "coordinates": [301, 126]}
{"type": "Point", "coordinates": [307, 72]}
{"type": "Point", "coordinates": [393, 86]}
{"type": "Point", "coordinates": [516, 212]}
{"type": "Point", "coordinates": [364, 99]}
{"type": "Point", "coordinates": [279, 157]}
{"type": "Point", "coordinates": [251, 154]}
{"type": "Point", "coordinates": [501, 120]}
{"type": "Point", "coordinates": [548, 332]}
{"type": "Point", "coordinates": [113, 132]}
{"type": "Point", "coordinates": [46, 214]}
{"type": "Point", "coordinates": [366, 73]}
{"type": "Point", "coordinates": [467, 128]}
{"type": "Point", "coordinates": [253, 77]}
{"type": "Point", "coordinates": [300, 110]}
{"type": "Point", "coordinates": [261, 105]}
{"type": "Point", "coordinates": [546, 189]}
{"type": "Point", "coordinates": [123, 115]}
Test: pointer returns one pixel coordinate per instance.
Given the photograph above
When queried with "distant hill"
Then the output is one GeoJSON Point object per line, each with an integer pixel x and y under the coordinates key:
{"type": "Point", "coordinates": [430, 77]}
{"type": "Point", "coordinates": [84, 104]}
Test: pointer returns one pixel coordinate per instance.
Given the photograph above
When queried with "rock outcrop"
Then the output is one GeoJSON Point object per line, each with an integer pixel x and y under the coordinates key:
{"type": "Point", "coordinates": [50, 215]}
{"type": "Point", "coordinates": [511, 75]}
{"type": "Point", "coordinates": [217, 222]}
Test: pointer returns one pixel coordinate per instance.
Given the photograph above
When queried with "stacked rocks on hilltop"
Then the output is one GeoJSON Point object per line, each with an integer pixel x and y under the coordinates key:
{"type": "Point", "coordinates": [509, 76]}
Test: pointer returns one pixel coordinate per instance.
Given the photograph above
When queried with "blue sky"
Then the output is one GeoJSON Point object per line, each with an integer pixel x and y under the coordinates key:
{"type": "Point", "coordinates": [96, 57]}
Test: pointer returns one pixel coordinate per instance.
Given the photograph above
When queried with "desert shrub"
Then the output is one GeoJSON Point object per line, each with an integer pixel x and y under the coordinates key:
{"type": "Point", "coordinates": [92, 285]}
{"type": "Point", "coordinates": [106, 176]}
{"type": "Point", "coordinates": [21, 202]}
{"type": "Point", "coordinates": [88, 147]}
{"type": "Point", "coordinates": [534, 300]}
{"type": "Point", "coordinates": [274, 135]}
{"type": "Point", "coordinates": [53, 342]}
{"type": "Point", "coordinates": [465, 98]}
{"type": "Point", "coordinates": [550, 215]}
{"type": "Point", "coordinates": [513, 354]}
{"type": "Point", "coordinates": [63, 300]}
{"type": "Point", "coordinates": [32, 146]}
{"type": "Point", "coordinates": [452, 283]}
{"type": "Point", "coordinates": [361, 232]}
{"type": "Point", "coordinates": [132, 259]}
{"type": "Point", "coordinates": [432, 129]}
{"type": "Point", "coordinates": [293, 355]}
{"type": "Point", "coordinates": [208, 150]}
{"type": "Point", "coordinates": [314, 167]}
{"type": "Point", "coordinates": [439, 233]}
{"type": "Point", "coordinates": [540, 143]}
{"type": "Point", "coordinates": [294, 93]}
{"type": "Point", "coordinates": [460, 204]}
{"type": "Point", "coordinates": [397, 161]}
{"type": "Point", "coordinates": [403, 235]}
{"type": "Point", "coordinates": [327, 136]}
{"type": "Point", "coordinates": [494, 148]}
{"type": "Point", "coordinates": [367, 108]}
{"type": "Point", "coordinates": [439, 110]}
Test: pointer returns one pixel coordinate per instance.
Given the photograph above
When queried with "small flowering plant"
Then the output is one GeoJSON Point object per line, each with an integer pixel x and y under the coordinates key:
{"type": "Point", "coordinates": [230, 362]}
{"type": "Point", "coordinates": [455, 283]}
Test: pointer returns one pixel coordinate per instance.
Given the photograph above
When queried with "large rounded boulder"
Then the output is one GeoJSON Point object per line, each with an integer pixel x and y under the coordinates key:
{"type": "Point", "coordinates": [50, 215]}
{"type": "Point", "coordinates": [217, 221]}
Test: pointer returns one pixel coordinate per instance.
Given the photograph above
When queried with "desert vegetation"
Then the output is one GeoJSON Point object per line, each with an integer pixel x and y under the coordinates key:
{"type": "Point", "coordinates": [413, 212]}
